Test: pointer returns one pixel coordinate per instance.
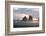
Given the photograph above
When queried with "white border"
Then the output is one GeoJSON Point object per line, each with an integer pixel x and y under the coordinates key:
{"type": "Point", "coordinates": [29, 28]}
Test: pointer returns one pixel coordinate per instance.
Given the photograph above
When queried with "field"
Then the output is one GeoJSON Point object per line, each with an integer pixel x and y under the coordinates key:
{"type": "Point", "coordinates": [20, 24]}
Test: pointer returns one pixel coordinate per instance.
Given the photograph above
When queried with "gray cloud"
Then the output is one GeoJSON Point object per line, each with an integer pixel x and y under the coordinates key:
{"type": "Point", "coordinates": [28, 11]}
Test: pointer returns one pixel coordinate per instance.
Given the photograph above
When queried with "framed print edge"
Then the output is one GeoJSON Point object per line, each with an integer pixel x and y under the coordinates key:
{"type": "Point", "coordinates": [7, 19]}
{"type": "Point", "coordinates": [6, 31]}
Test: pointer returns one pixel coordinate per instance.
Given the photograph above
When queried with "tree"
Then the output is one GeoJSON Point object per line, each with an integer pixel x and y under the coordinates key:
{"type": "Point", "coordinates": [30, 18]}
{"type": "Point", "coordinates": [24, 18]}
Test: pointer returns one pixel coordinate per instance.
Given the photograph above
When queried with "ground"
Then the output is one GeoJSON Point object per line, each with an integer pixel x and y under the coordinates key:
{"type": "Point", "coordinates": [20, 24]}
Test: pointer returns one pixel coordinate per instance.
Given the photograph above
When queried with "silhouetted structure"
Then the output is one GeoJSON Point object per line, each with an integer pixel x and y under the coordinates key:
{"type": "Point", "coordinates": [30, 18]}
{"type": "Point", "coordinates": [24, 18]}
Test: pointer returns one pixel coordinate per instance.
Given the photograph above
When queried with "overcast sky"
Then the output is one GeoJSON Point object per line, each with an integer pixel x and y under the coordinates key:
{"type": "Point", "coordinates": [20, 12]}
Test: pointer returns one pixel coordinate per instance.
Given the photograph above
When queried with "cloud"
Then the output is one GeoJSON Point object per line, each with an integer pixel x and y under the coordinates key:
{"type": "Point", "coordinates": [19, 16]}
{"type": "Point", "coordinates": [27, 11]}
{"type": "Point", "coordinates": [15, 8]}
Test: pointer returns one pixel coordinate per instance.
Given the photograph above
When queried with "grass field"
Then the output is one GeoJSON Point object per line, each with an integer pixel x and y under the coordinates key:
{"type": "Point", "coordinates": [20, 24]}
